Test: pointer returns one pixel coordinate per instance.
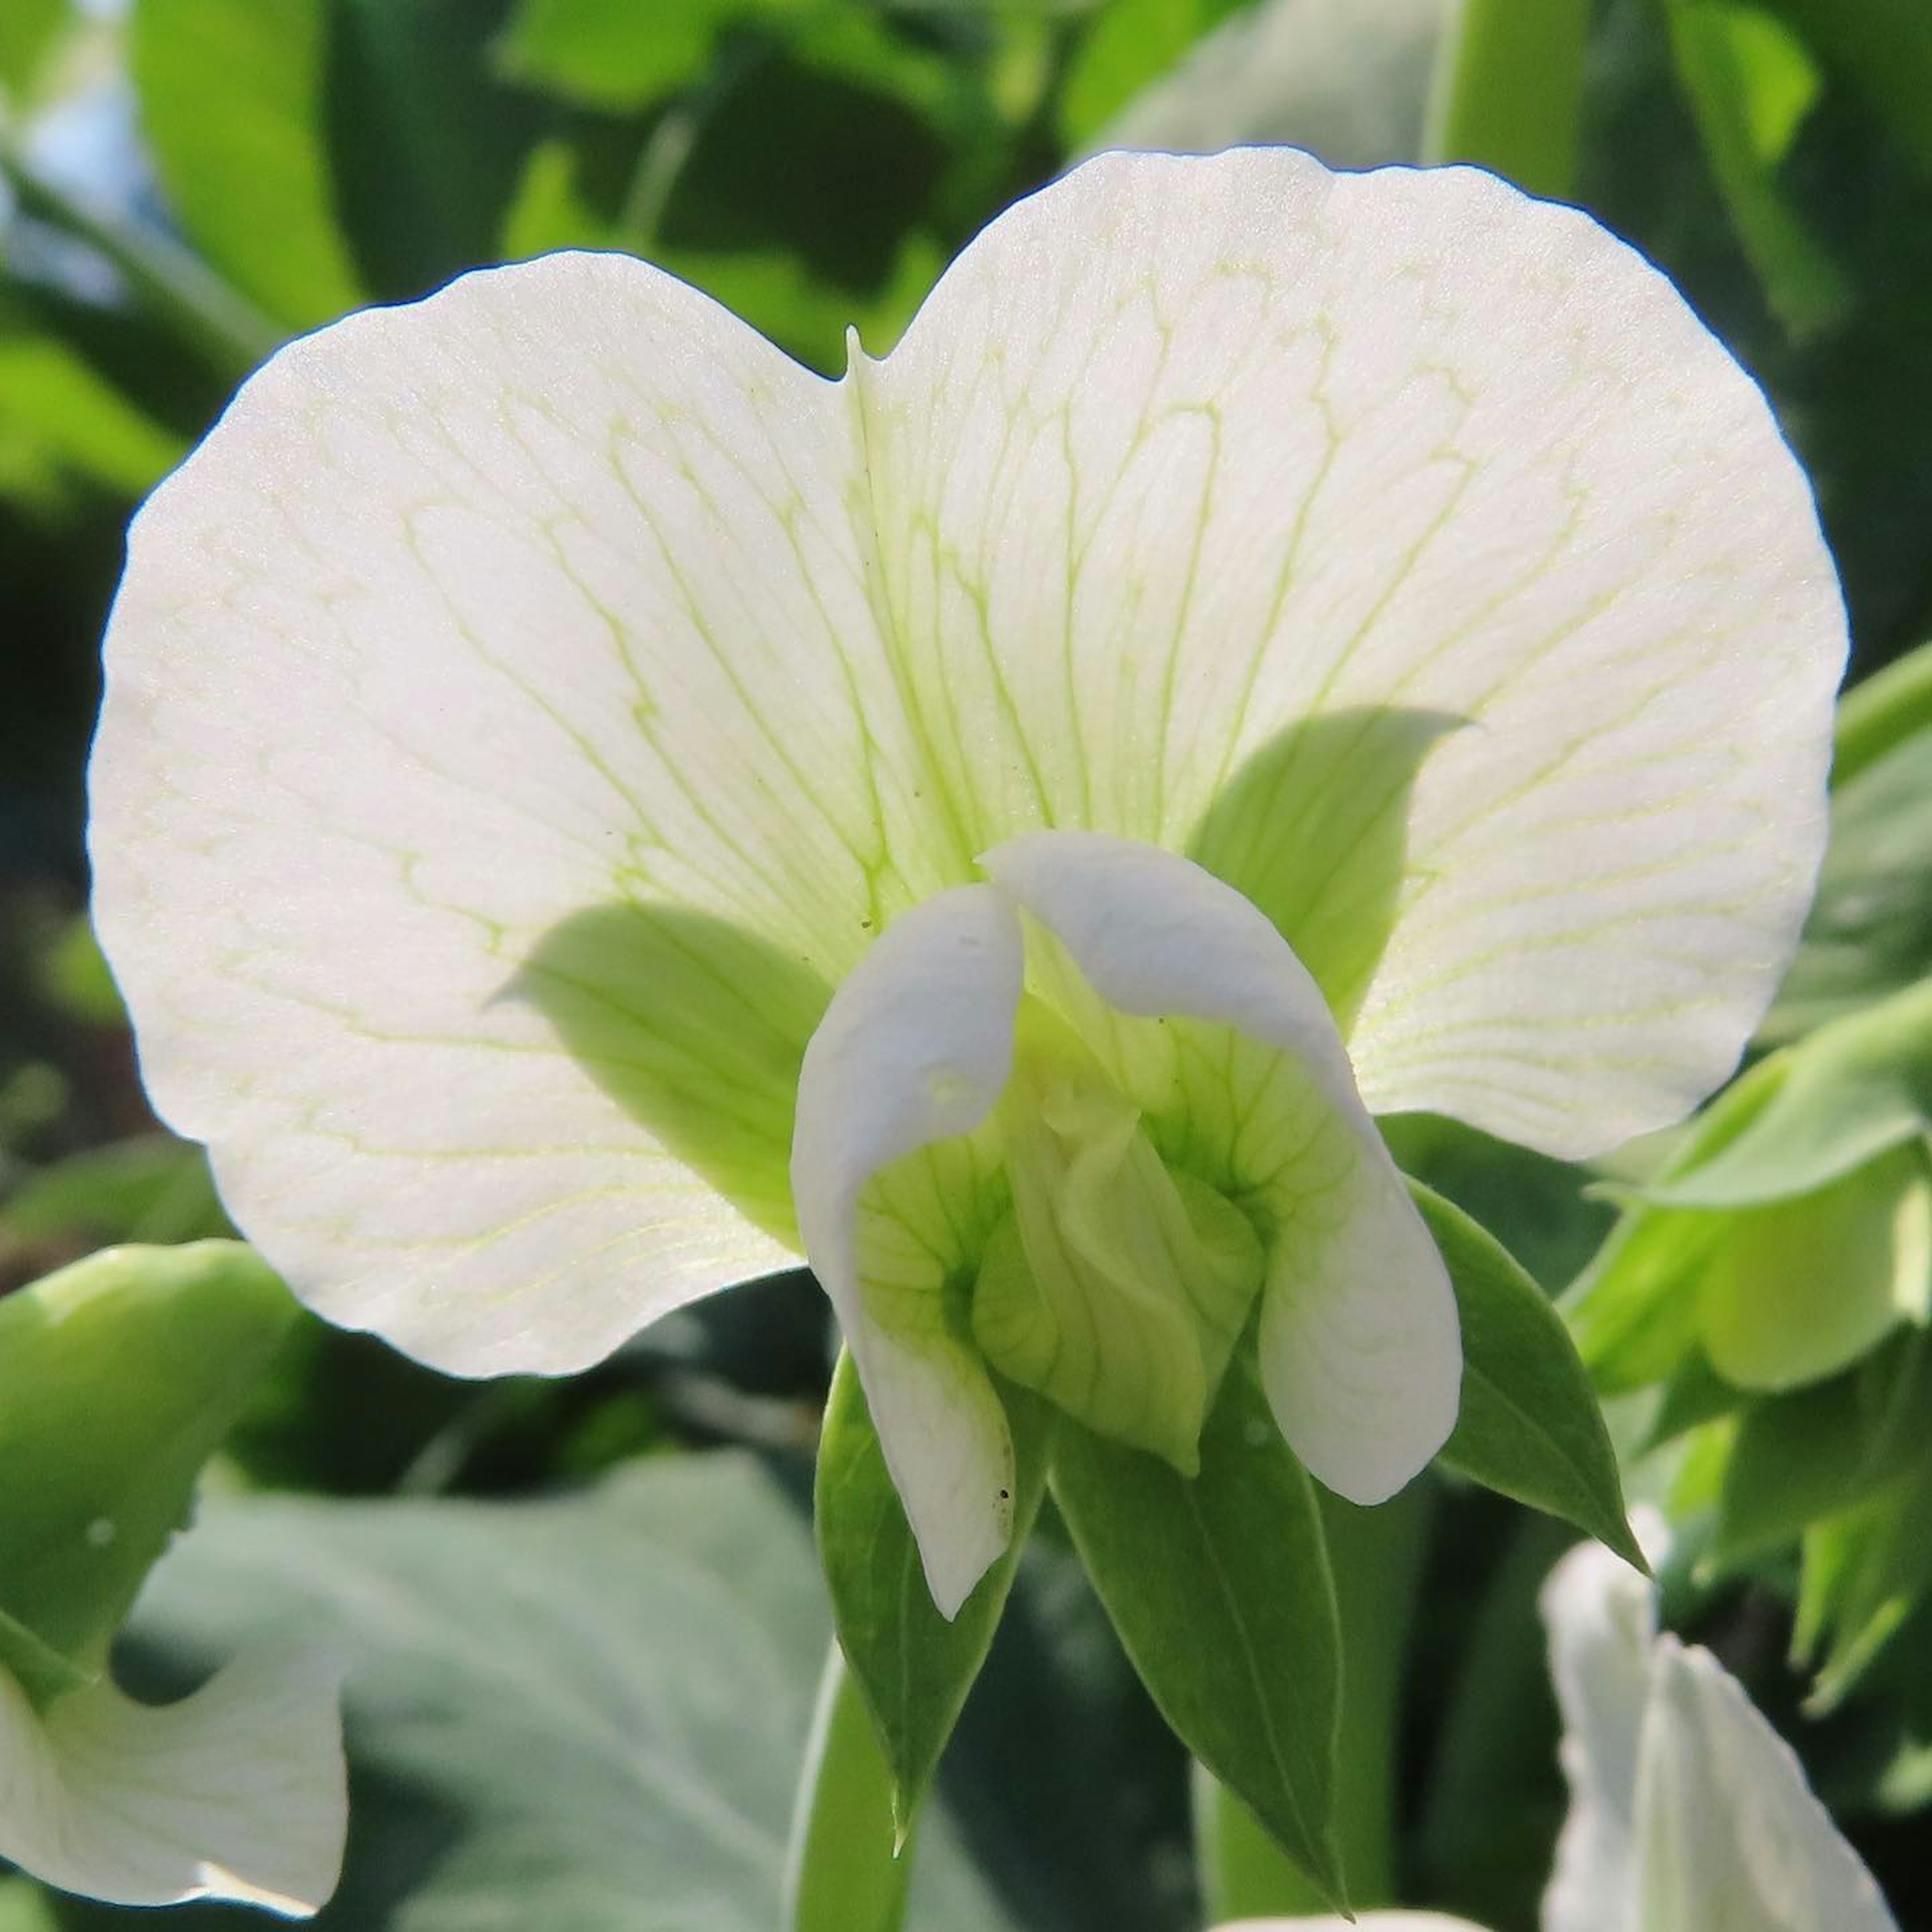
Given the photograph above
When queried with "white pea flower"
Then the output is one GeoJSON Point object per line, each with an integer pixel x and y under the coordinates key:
{"type": "Point", "coordinates": [1688, 1812]}
{"type": "Point", "coordinates": [586, 811]}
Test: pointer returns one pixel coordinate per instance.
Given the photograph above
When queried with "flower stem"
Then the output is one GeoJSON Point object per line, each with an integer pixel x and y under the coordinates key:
{"type": "Point", "coordinates": [1507, 92]}
{"type": "Point", "coordinates": [1376, 1556]}
{"type": "Point", "coordinates": [843, 1873]}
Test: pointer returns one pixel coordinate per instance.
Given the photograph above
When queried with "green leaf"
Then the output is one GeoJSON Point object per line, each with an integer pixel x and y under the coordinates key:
{"type": "Point", "coordinates": [1126, 46]}
{"type": "Point", "coordinates": [1529, 1427]}
{"type": "Point", "coordinates": [118, 1377]}
{"type": "Point", "coordinates": [427, 146]}
{"type": "Point", "coordinates": [577, 1714]}
{"type": "Point", "coordinates": [232, 97]}
{"type": "Point", "coordinates": [1509, 91]}
{"type": "Point", "coordinates": [1749, 83]}
{"type": "Point", "coordinates": [1817, 1452]}
{"type": "Point", "coordinates": [913, 1668]}
{"type": "Point", "coordinates": [618, 59]}
{"type": "Point", "coordinates": [1220, 1590]}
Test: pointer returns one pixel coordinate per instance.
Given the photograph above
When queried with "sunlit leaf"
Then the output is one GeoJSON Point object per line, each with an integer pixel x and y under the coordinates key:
{"type": "Point", "coordinates": [582, 1714]}
{"type": "Point", "coordinates": [233, 98]}
{"type": "Point", "coordinates": [1529, 1426]}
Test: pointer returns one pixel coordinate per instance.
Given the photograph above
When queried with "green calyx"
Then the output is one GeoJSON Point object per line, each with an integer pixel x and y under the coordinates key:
{"type": "Point", "coordinates": [1115, 1286]}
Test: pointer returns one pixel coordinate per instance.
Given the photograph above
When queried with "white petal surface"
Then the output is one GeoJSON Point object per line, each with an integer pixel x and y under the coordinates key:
{"type": "Point", "coordinates": [471, 619]}
{"type": "Point", "coordinates": [913, 1050]}
{"type": "Point", "coordinates": [1730, 1838]}
{"type": "Point", "coordinates": [1183, 452]}
{"type": "Point", "coordinates": [1361, 1352]}
{"type": "Point", "coordinates": [1602, 1620]}
{"type": "Point", "coordinates": [1364, 1921]}
{"type": "Point", "coordinates": [236, 1793]}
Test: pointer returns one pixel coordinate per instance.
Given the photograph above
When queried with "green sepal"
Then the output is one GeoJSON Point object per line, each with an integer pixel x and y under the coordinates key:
{"type": "Point", "coordinates": [912, 1667]}
{"type": "Point", "coordinates": [118, 1377]}
{"type": "Point", "coordinates": [1529, 1427]}
{"type": "Point", "coordinates": [1219, 1588]}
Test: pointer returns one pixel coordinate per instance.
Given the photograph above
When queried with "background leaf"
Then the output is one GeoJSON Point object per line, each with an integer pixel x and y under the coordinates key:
{"type": "Point", "coordinates": [232, 97]}
{"type": "Point", "coordinates": [585, 1715]}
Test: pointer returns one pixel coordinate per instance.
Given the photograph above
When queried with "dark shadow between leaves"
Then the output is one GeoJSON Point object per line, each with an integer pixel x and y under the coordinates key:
{"type": "Point", "coordinates": [1314, 828]}
{"type": "Point", "coordinates": [695, 1028]}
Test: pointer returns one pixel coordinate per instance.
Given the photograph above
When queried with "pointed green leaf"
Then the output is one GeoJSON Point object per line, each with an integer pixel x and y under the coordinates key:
{"type": "Point", "coordinates": [1529, 1426]}
{"type": "Point", "coordinates": [1220, 1590]}
{"type": "Point", "coordinates": [913, 1665]}
{"type": "Point", "coordinates": [118, 1377]}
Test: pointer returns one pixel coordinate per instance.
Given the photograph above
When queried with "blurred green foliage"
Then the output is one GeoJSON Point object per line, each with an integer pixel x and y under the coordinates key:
{"type": "Point", "coordinates": [185, 183]}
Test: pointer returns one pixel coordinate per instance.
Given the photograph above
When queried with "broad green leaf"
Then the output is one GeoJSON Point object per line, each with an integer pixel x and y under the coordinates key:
{"type": "Point", "coordinates": [1219, 1589]}
{"type": "Point", "coordinates": [1529, 1426]}
{"type": "Point", "coordinates": [232, 97]}
{"type": "Point", "coordinates": [913, 1667]}
{"type": "Point", "coordinates": [1819, 1451]}
{"type": "Point", "coordinates": [1748, 82]}
{"type": "Point", "coordinates": [582, 1714]}
{"type": "Point", "coordinates": [118, 1377]}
